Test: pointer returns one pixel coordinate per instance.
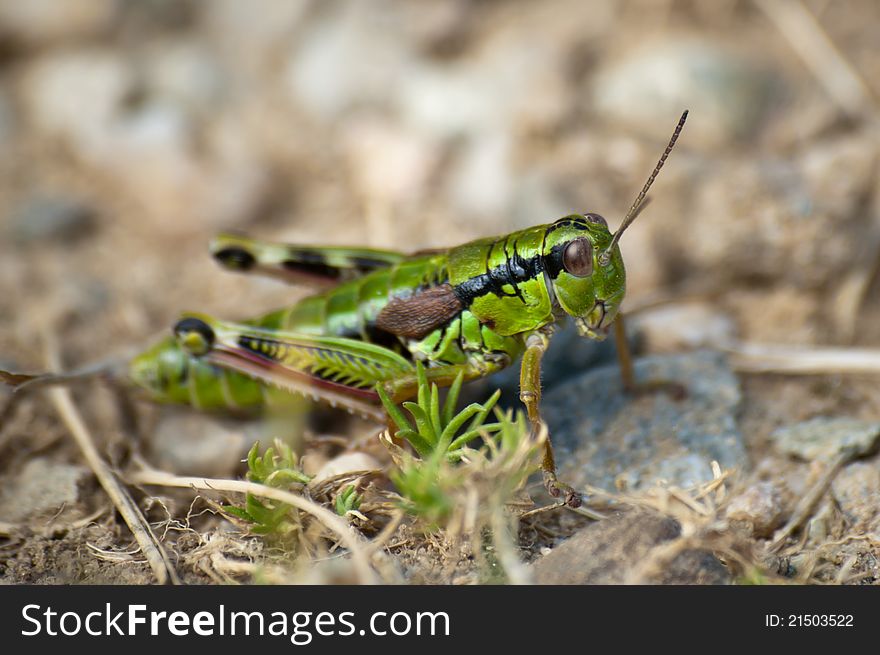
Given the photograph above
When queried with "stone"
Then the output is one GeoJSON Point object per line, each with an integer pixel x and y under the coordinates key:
{"type": "Point", "coordinates": [760, 508]}
{"type": "Point", "coordinates": [41, 486]}
{"type": "Point", "coordinates": [345, 463]}
{"type": "Point", "coordinates": [192, 444]}
{"type": "Point", "coordinates": [609, 439]}
{"type": "Point", "coordinates": [611, 550]}
{"type": "Point", "coordinates": [857, 491]}
{"type": "Point", "coordinates": [824, 438]}
{"type": "Point", "coordinates": [51, 216]}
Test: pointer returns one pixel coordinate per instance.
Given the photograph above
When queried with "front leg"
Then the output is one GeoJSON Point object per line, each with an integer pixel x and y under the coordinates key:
{"type": "Point", "coordinates": [530, 395]}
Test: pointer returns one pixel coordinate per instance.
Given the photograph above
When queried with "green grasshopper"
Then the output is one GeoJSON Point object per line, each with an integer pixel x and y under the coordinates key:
{"type": "Point", "coordinates": [470, 310]}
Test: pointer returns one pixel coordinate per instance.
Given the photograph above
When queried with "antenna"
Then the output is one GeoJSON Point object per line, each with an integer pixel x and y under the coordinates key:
{"type": "Point", "coordinates": [640, 201]}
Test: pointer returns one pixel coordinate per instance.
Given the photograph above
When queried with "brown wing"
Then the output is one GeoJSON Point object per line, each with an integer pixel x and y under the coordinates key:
{"type": "Point", "coordinates": [416, 316]}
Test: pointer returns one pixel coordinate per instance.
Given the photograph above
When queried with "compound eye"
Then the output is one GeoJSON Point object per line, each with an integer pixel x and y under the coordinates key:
{"type": "Point", "coordinates": [595, 218]}
{"type": "Point", "coordinates": [577, 258]}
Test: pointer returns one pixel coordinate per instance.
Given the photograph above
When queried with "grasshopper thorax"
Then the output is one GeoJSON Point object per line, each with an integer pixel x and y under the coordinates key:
{"type": "Point", "coordinates": [584, 272]}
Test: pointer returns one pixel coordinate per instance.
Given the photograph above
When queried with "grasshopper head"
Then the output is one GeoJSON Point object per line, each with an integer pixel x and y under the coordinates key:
{"type": "Point", "coordinates": [155, 370]}
{"type": "Point", "coordinates": [585, 271]}
{"type": "Point", "coordinates": [583, 264]}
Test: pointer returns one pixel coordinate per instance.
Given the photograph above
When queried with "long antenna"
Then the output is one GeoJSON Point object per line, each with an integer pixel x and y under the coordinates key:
{"type": "Point", "coordinates": [639, 203]}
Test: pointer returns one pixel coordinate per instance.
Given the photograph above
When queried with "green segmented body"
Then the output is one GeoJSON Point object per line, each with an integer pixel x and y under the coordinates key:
{"type": "Point", "coordinates": [481, 300]}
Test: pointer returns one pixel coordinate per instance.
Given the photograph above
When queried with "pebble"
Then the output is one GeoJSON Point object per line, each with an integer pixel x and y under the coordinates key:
{"type": "Point", "coordinates": [41, 486]}
{"type": "Point", "coordinates": [760, 508]}
{"type": "Point", "coordinates": [609, 439]}
{"type": "Point", "coordinates": [857, 490]}
{"type": "Point", "coordinates": [824, 438]}
{"type": "Point", "coordinates": [609, 551]}
{"type": "Point", "coordinates": [51, 216]}
{"type": "Point", "coordinates": [192, 444]}
{"type": "Point", "coordinates": [345, 463]}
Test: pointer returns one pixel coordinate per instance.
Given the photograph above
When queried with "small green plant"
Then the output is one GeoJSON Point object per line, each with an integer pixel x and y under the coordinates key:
{"type": "Point", "coordinates": [276, 468]}
{"type": "Point", "coordinates": [435, 430]}
{"type": "Point", "coordinates": [433, 483]}
{"type": "Point", "coordinates": [348, 500]}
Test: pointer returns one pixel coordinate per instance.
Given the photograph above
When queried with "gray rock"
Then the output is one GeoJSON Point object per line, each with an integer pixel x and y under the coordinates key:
{"type": "Point", "coordinates": [192, 444]}
{"type": "Point", "coordinates": [824, 438]}
{"type": "Point", "coordinates": [41, 486]}
{"type": "Point", "coordinates": [51, 216]}
{"type": "Point", "coordinates": [607, 552]}
{"type": "Point", "coordinates": [608, 439]}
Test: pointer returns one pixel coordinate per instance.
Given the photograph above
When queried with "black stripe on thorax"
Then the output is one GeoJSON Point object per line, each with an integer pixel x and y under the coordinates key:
{"type": "Point", "coordinates": [515, 270]}
{"type": "Point", "coordinates": [553, 260]}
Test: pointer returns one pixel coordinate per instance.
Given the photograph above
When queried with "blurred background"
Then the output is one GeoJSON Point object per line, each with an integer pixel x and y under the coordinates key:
{"type": "Point", "coordinates": [132, 131]}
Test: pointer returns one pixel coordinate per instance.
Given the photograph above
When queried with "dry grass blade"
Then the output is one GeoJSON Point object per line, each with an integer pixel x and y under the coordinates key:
{"type": "Point", "coordinates": [778, 358]}
{"type": "Point", "coordinates": [358, 549]}
{"type": "Point", "coordinates": [505, 548]}
{"type": "Point", "coordinates": [131, 514]}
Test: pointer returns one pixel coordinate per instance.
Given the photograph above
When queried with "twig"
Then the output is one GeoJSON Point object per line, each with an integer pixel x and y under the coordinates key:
{"type": "Point", "coordinates": [778, 358]}
{"type": "Point", "coordinates": [813, 45]}
{"type": "Point", "coordinates": [386, 532]}
{"type": "Point", "coordinates": [329, 519]}
{"type": "Point", "coordinates": [131, 514]}
{"type": "Point", "coordinates": [804, 508]}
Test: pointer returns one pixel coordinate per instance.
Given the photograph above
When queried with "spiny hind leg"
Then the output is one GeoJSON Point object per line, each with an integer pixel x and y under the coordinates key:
{"type": "Point", "coordinates": [339, 371]}
{"type": "Point", "coordinates": [627, 369]}
{"type": "Point", "coordinates": [530, 395]}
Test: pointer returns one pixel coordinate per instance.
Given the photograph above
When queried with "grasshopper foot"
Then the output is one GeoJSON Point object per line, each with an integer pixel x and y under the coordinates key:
{"type": "Point", "coordinates": [559, 489]}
